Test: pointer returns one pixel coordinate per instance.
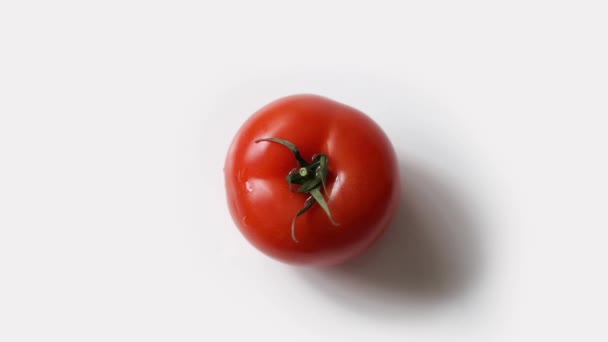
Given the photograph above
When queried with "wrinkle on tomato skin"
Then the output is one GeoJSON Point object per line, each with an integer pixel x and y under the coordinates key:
{"type": "Point", "coordinates": [362, 183]}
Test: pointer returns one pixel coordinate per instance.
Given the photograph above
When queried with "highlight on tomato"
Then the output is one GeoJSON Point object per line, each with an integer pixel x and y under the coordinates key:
{"type": "Point", "coordinates": [311, 181]}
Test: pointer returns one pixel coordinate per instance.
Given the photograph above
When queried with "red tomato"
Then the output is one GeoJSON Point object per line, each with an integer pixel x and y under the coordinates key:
{"type": "Point", "coordinates": [340, 148]}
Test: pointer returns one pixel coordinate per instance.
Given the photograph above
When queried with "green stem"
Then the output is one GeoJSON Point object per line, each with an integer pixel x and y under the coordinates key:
{"type": "Point", "coordinates": [310, 178]}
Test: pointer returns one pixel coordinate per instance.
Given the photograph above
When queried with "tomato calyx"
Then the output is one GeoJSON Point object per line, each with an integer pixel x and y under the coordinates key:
{"type": "Point", "coordinates": [310, 178]}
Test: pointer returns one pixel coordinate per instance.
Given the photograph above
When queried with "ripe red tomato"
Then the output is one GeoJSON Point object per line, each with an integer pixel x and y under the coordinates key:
{"type": "Point", "coordinates": [347, 170]}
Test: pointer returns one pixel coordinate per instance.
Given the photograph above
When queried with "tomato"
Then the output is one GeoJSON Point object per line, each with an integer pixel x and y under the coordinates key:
{"type": "Point", "coordinates": [311, 181]}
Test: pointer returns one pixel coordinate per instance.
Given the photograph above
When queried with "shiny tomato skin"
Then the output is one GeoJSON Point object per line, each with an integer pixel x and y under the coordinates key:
{"type": "Point", "coordinates": [362, 185]}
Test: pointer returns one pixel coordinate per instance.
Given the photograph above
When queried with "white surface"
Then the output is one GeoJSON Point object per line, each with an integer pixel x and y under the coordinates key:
{"type": "Point", "coordinates": [115, 118]}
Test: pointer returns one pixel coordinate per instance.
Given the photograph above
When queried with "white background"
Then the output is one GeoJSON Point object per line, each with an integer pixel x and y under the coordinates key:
{"type": "Point", "coordinates": [115, 117]}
